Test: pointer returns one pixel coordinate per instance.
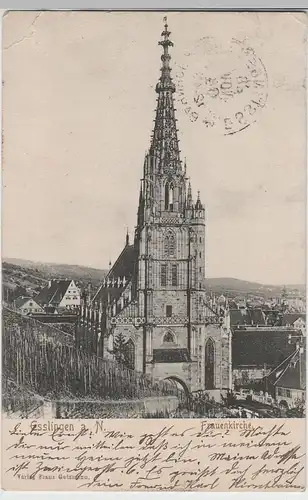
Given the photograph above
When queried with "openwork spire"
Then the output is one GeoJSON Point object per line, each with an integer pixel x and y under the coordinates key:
{"type": "Point", "coordinates": [165, 81]}
{"type": "Point", "coordinates": [165, 145]}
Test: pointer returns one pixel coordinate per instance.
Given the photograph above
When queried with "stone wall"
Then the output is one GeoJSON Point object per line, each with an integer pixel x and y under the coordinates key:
{"type": "Point", "coordinates": [114, 409]}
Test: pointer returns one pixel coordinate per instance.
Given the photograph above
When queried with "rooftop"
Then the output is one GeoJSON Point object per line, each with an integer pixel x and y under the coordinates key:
{"type": "Point", "coordinates": [294, 374]}
{"type": "Point", "coordinates": [53, 292]}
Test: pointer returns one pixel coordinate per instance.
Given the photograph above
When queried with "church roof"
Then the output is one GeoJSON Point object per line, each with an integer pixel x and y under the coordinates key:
{"type": "Point", "coordinates": [123, 267]}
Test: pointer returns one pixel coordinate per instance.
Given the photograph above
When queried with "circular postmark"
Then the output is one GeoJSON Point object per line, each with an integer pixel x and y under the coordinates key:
{"type": "Point", "coordinates": [223, 87]}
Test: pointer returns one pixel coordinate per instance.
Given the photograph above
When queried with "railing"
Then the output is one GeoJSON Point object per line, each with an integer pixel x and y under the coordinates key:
{"type": "Point", "coordinates": [45, 360]}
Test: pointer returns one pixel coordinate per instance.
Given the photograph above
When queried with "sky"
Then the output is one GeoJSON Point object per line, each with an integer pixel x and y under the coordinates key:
{"type": "Point", "coordinates": [78, 109]}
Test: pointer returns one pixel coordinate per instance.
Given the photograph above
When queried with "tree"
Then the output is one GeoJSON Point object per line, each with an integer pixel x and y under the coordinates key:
{"type": "Point", "coordinates": [120, 350]}
{"type": "Point", "coordinates": [298, 411]}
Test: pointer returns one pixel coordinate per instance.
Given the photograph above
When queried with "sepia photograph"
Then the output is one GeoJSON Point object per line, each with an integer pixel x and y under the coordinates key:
{"type": "Point", "coordinates": [153, 251]}
{"type": "Point", "coordinates": [153, 216]}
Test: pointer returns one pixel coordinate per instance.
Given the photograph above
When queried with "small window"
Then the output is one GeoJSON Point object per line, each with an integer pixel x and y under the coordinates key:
{"type": "Point", "coordinates": [200, 270]}
{"type": "Point", "coordinates": [288, 393]}
{"type": "Point", "coordinates": [200, 255]}
{"type": "Point", "coordinates": [174, 276]}
{"type": "Point", "coordinates": [200, 239]}
{"type": "Point", "coordinates": [163, 275]}
{"type": "Point", "coordinates": [168, 311]}
{"type": "Point", "coordinates": [279, 391]}
{"type": "Point", "coordinates": [168, 338]}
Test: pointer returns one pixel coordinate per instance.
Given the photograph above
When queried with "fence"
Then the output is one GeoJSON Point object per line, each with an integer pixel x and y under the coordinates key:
{"type": "Point", "coordinates": [45, 360]}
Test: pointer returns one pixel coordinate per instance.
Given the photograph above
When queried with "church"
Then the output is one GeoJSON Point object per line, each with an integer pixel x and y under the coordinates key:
{"type": "Point", "coordinates": [154, 297]}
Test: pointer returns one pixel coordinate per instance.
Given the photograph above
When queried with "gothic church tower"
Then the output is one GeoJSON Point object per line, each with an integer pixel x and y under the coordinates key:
{"type": "Point", "coordinates": [154, 295]}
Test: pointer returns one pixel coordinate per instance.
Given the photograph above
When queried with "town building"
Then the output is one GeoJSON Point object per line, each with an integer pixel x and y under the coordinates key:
{"type": "Point", "coordinates": [58, 296]}
{"type": "Point", "coordinates": [295, 320]}
{"type": "Point", "coordinates": [27, 305]}
{"type": "Point", "coordinates": [247, 316]}
{"type": "Point", "coordinates": [154, 295]}
{"type": "Point", "coordinates": [290, 383]}
{"type": "Point", "coordinates": [257, 351]}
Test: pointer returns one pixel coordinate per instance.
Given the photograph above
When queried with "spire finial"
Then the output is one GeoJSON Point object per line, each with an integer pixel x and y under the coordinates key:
{"type": "Point", "coordinates": [198, 202]}
{"type": "Point", "coordinates": [127, 237]}
{"type": "Point", "coordinates": [165, 81]}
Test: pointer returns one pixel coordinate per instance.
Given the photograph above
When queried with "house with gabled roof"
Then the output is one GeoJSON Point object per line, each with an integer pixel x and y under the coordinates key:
{"type": "Point", "coordinates": [59, 295]}
{"type": "Point", "coordinates": [295, 320]}
{"type": "Point", "coordinates": [27, 305]}
{"type": "Point", "coordinates": [290, 384]}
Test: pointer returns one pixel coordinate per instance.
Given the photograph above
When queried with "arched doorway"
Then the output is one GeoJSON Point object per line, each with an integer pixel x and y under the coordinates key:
{"type": "Point", "coordinates": [209, 364]}
{"type": "Point", "coordinates": [179, 383]}
{"type": "Point", "coordinates": [183, 391]}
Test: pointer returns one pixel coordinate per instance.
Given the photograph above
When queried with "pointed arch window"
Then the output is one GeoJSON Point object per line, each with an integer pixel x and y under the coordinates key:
{"type": "Point", "coordinates": [169, 245]}
{"type": "Point", "coordinates": [209, 360]}
{"type": "Point", "coordinates": [168, 338]}
{"type": "Point", "coordinates": [130, 354]}
{"type": "Point", "coordinates": [174, 275]}
{"type": "Point", "coordinates": [163, 275]}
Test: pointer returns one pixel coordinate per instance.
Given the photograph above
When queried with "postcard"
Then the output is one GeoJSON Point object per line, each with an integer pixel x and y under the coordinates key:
{"type": "Point", "coordinates": [153, 252]}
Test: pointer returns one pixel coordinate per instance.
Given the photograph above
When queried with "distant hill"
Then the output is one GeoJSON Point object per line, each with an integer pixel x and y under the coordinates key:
{"type": "Point", "coordinates": [25, 277]}
{"type": "Point", "coordinates": [29, 274]}
{"type": "Point", "coordinates": [233, 287]}
{"type": "Point", "coordinates": [52, 270]}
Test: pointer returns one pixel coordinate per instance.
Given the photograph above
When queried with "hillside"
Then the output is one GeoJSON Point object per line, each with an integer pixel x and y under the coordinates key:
{"type": "Point", "coordinates": [233, 287]}
{"type": "Point", "coordinates": [24, 277]}
{"type": "Point", "coordinates": [52, 270]}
